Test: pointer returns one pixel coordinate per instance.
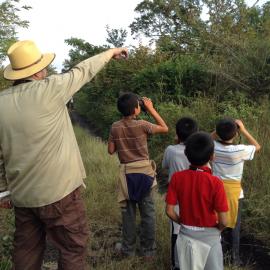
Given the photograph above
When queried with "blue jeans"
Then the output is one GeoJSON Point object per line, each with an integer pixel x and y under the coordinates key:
{"type": "Point", "coordinates": [146, 230]}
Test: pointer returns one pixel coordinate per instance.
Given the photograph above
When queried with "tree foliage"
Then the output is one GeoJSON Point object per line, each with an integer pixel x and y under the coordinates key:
{"type": "Point", "coordinates": [116, 37]}
{"type": "Point", "coordinates": [80, 51]}
{"type": "Point", "coordinates": [9, 22]}
{"type": "Point", "coordinates": [172, 22]}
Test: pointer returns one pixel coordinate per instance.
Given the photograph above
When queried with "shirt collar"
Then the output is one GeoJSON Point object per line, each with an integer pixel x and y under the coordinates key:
{"type": "Point", "coordinates": [200, 168]}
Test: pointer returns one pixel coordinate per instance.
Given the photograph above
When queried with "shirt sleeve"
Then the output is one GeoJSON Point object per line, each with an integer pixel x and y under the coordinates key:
{"type": "Point", "coordinates": [3, 179]}
{"type": "Point", "coordinates": [148, 127]}
{"type": "Point", "coordinates": [62, 87]}
{"type": "Point", "coordinates": [220, 199]}
{"type": "Point", "coordinates": [249, 151]}
{"type": "Point", "coordinates": [171, 197]}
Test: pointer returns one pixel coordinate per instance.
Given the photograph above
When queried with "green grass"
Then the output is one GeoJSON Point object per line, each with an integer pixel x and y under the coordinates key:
{"type": "Point", "coordinates": [103, 214]}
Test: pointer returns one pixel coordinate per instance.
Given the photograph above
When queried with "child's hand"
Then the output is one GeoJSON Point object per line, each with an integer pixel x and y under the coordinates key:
{"type": "Point", "coordinates": [240, 124]}
{"type": "Point", "coordinates": [148, 103]}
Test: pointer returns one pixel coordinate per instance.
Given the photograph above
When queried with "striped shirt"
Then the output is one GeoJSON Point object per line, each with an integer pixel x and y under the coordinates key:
{"type": "Point", "coordinates": [229, 160]}
{"type": "Point", "coordinates": [130, 139]}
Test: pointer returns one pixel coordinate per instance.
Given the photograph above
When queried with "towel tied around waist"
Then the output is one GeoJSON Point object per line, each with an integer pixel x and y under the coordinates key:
{"type": "Point", "coordinates": [232, 189]}
{"type": "Point", "coordinates": [194, 248]}
{"type": "Point", "coordinates": [136, 179]}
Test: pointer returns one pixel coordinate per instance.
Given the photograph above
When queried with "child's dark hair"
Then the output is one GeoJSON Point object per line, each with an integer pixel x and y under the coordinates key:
{"type": "Point", "coordinates": [199, 148]}
{"type": "Point", "coordinates": [226, 129]}
{"type": "Point", "coordinates": [127, 103]}
{"type": "Point", "coordinates": [185, 126]}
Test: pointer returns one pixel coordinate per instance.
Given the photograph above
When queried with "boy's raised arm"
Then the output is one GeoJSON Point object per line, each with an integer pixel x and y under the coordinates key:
{"type": "Point", "coordinates": [161, 125]}
{"type": "Point", "coordinates": [248, 136]}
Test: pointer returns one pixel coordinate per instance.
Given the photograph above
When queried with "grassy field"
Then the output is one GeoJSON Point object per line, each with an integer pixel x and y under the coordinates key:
{"type": "Point", "coordinates": [103, 214]}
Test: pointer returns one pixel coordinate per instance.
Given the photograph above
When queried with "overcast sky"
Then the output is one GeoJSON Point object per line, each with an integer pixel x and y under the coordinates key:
{"type": "Point", "coordinates": [53, 21]}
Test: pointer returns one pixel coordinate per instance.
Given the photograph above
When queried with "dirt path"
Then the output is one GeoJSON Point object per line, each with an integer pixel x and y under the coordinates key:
{"type": "Point", "coordinates": [83, 123]}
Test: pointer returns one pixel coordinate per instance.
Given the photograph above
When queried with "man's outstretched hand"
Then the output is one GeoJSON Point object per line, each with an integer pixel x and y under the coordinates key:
{"type": "Point", "coordinates": [120, 53]}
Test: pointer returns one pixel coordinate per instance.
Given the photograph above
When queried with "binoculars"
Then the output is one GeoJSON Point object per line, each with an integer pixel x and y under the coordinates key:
{"type": "Point", "coordinates": [141, 103]}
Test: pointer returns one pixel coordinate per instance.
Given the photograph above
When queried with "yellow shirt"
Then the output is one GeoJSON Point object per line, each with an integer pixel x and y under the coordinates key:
{"type": "Point", "coordinates": [40, 162]}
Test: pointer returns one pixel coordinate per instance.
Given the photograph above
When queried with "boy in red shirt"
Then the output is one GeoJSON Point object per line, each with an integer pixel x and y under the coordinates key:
{"type": "Point", "coordinates": [203, 206]}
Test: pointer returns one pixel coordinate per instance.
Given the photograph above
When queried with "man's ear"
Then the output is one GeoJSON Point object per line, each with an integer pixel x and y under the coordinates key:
{"type": "Point", "coordinates": [40, 75]}
{"type": "Point", "coordinates": [36, 76]}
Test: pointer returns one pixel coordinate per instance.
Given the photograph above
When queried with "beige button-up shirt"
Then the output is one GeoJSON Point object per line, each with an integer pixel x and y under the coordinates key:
{"type": "Point", "coordinates": [40, 162]}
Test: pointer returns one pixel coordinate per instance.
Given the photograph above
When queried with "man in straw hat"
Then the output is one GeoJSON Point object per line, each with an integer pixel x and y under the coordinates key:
{"type": "Point", "coordinates": [41, 170]}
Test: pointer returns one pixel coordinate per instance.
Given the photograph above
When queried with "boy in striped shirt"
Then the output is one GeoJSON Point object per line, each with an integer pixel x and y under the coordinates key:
{"type": "Point", "coordinates": [228, 164]}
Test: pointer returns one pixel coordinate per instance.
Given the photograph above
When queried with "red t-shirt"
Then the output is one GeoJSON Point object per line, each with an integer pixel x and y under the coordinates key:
{"type": "Point", "coordinates": [199, 194]}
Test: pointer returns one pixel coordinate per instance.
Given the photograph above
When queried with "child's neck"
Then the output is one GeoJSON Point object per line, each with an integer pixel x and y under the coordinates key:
{"type": "Point", "coordinates": [130, 117]}
{"type": "Point", "coordinates": [197, 166]}
{"type": "Point", "coordinates": [227, 142]}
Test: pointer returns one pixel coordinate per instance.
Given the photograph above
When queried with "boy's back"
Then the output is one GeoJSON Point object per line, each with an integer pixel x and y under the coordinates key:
{"type": "Point", "coordinates": [229, 159]}
{"type": "Point", "coordinates": [199, 194]}
{"type": "Point", "coordinates": [130, 139]}
{"type": "Point", "coordinates": [175, 159]}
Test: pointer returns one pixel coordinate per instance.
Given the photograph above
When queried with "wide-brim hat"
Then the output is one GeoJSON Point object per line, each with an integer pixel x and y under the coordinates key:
{"type": "Point", "coordinates": [25, 60]}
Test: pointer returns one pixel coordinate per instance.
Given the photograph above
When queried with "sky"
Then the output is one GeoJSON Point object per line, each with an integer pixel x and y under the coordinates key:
{"type": "Point", "coordinates": [52, 21]}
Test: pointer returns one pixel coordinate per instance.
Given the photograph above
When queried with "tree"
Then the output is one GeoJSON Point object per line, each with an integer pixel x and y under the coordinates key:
{"type": "Point", "coordinates": [81, 50]}
{"type": "Point", "coordinates": [237, 45]}
{"type": "Point", "coordinates": [116, 37]}
{"type": "Point", "coordinates": [172, 22]}
{"type": "Point", "coordinates": [9, 22]}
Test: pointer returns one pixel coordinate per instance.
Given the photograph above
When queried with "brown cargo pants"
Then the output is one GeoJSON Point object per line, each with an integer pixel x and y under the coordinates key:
{"type": "Point", "coordinates": [63, 223]}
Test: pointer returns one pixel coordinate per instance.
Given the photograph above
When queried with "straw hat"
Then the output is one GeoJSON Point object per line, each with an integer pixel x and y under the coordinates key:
{"type": "Point", "coordinates": [25, 60]}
